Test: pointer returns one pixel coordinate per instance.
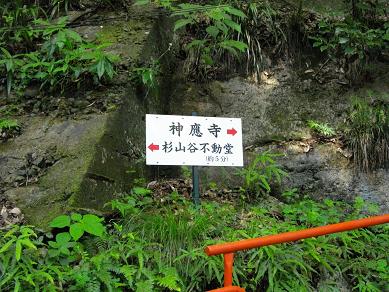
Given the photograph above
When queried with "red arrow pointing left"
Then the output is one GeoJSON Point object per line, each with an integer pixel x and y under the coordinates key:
{"type": "Point", "coordinates": [153, 147]}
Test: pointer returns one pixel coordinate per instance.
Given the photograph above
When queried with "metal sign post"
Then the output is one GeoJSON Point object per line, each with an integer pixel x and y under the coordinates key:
{"type": "Point", "coordinates": [195, 181]}
{"type": "Point", "coordinates": [193, 141]}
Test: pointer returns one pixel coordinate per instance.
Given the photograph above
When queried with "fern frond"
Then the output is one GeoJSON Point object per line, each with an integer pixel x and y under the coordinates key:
{"type": "Point", "coordinates": [170, 279]}
{"type": "Point", "coordinates": [93, 286]}
{"type": "Point", "coordinates": [145, 286]}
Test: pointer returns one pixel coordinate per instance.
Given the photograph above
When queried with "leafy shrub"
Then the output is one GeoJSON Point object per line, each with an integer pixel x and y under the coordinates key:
{"type": "Point", "coordinates": [64, 59]}
{"type": "Point", "coordinates": [9, 128]}
{"type": "Point", "coordinates": [147, 76]}
{"type": "Point", "coordinates": [15, 23]}
{"type": "Point", "coordinates": [214, 27]}
{"type": "Point", "coordinates": [351, 40]}
{"type": "Point", "coordinates": [296, 266]}
{"type": "Point", "coordinates": [261, 172]}
{"type": "Point", "coordinates": [9, 124]}
{"type": "Point", "coordinates": [20, 262]}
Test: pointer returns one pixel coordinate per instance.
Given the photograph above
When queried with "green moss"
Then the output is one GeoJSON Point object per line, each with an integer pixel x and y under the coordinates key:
{"type": "Point", "coordinates": [61, 185]}
{"type": "Point", "coordinates": [127, 37]}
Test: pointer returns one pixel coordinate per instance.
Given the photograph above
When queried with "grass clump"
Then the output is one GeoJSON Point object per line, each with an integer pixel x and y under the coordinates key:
{"type": "Point", "coordinates": [368, 133]}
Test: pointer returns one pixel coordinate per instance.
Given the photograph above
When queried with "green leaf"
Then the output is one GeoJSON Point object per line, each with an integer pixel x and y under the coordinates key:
{"type": "Point", "coordinates": [142, 2]}
{"type": "Point", "coordinates": [53, 252]}
{"type": "Point", "coordinates": [141, 191]}
{"type": "Point", "coordinates": [196, 43]}
{"type": "Point", "coordinates": [18, 250]}
{"type": "Point", "coordinates": [181, 23]}
{"type": "Point", "coordinates": [265, 184]}
{"type": "Point", "coordinates": [222, 27]}
{"type": "Point", "coordinates": [76, 231]}
{"type": "Point", "coordinates": [170, 279]}
{"type": "Point", "coordinates": [323, 48]}
{"type": "Point", "coordinates": [6, 246]}
{"type": "Point", "coordinates": [343, 40]}
{"type": "Point", "coordinates": [144, 286]}
{"type": "Point", "coordinates": [63, 238]}
{"type": "Point", "coordinates": [234, 44]}
{"type": "Point", "coordinates": [76, 217]}
{"type": "Point", "coordinates": [212, 31]}
{"type": "Point", "coordinates": [338, 30]}
{"type": "Point", "coordinates": [60, 221]}
{"type": "Point", "coordinates": [91, 224]}
{"type": "Point", "coordinates": [317, 44]}
{"type": "Point", "coordinates": [73, 35]}
{"type": "Point", "coordinates": [235, 26]}
{"type": "Point", "coordinates": [28, 243]}
{"type": "Point", "coordinates": [17, 285]}
{"type": "Point", "coordinates": [100, 68]}
{"type": "Point", "coordinates": [53, 244]}
{"type": "Point", "coordinates": [207, 59]}
{"type": "Point", "coordinates": [235, 12]}
{"type": "Point", "coordinates": [64, 250]}
{"type": "Point", "coordinates": [349, 51]}
{"type": "Point", "coordinates": [40, 75]}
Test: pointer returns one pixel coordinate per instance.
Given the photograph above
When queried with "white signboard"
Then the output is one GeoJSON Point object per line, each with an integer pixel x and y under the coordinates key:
{"type": "Point", "coordinates": [193, 140]}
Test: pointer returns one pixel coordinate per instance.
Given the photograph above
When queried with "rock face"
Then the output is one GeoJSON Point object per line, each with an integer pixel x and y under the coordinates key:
{"type": "Point", "coordinates": [68, 145]}
{"type": "Point", "coordinates": [276, 112]}
{"type": "Point", "coordinates": [57, 165]}
{"type": "Point", "coordinates": [325, 172]}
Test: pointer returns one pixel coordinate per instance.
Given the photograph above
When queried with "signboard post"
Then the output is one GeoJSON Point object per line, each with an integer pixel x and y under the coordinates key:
{"type": "Point", "coordinates": [193, 141]}
{"type": "Point", "coordinates": [195, 181]}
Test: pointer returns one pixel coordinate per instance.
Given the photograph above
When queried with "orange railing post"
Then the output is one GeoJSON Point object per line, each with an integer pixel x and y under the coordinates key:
{"type": "Point", "coordinates": [228, 266]}
{"type": "Point", "coordinates": [229, 248]}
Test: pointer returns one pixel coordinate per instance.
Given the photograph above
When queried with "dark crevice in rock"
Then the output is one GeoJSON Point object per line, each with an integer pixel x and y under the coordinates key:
{"type": "Point", "coordinates": [99, 177]}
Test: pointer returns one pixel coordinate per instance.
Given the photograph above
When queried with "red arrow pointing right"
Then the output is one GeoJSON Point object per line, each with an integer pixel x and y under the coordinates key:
{"type": "Point", "coordinates": [153, 147]}
{"type": "Point", "coordinates": [231, 132]}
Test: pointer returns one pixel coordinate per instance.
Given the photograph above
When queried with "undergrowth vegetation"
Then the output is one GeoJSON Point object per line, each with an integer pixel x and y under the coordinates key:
{"type": "Point", "coordinates": [8, 128]}
{"type": "Point", "coordinates": [221, 37]}
{"type": "Point", "coordinates": [35, 49]}
{"type": "Point", "coordinates": [260, 174]}
{"type": "Point", "coordinates": [155, 245]}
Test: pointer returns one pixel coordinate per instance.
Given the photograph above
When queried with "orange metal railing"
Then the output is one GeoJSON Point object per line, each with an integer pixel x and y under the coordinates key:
{"type": "Point", "coordinates": [228, 249]}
